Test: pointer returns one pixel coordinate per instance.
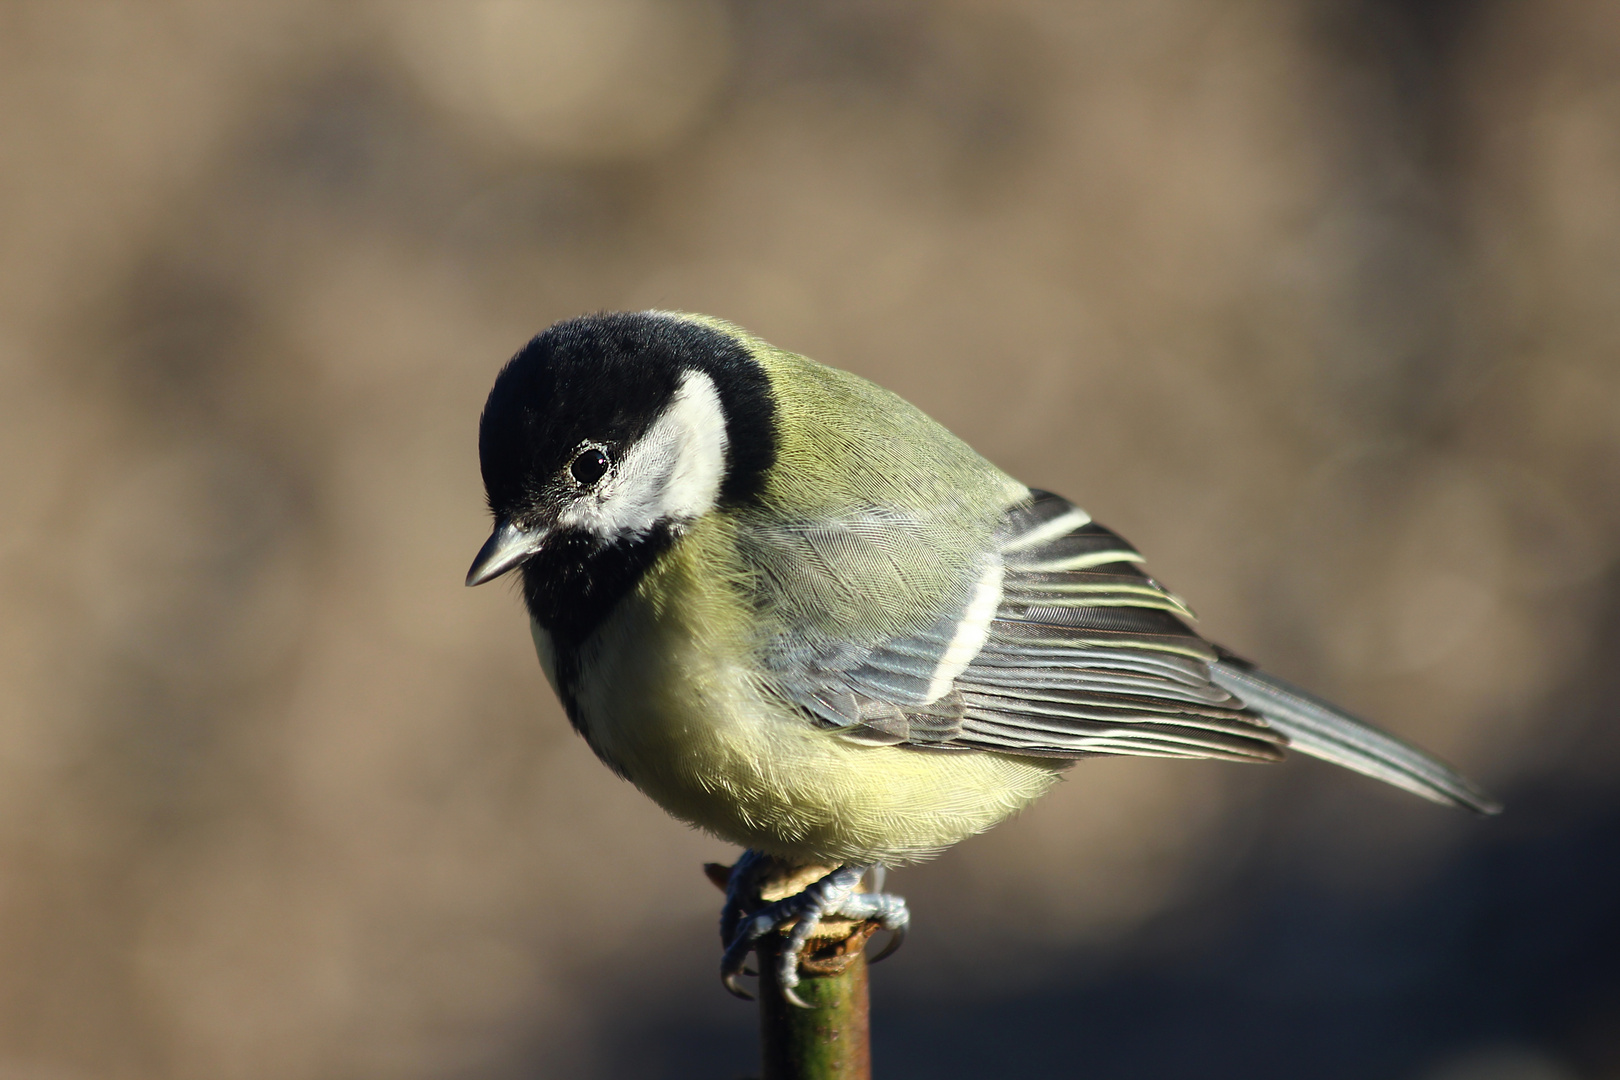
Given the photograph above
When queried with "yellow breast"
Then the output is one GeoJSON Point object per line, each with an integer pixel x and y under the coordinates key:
{"type": "Point", "coordinates": [666, 695]}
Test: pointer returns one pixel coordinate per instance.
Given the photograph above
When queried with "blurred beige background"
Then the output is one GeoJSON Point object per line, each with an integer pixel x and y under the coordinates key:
{"type": "Point", "coordinates": [1314, 301]}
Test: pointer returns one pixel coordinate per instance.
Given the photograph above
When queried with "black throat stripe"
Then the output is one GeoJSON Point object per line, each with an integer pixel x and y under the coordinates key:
{"type": "Point", "coordinates": [577, 581]}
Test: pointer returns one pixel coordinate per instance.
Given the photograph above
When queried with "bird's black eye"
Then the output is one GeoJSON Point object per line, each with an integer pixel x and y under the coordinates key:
{"type": "Point", "coordinates": [589, 467]}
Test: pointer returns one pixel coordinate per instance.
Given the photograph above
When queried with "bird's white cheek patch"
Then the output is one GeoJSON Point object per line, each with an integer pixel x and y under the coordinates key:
{"type": "Point", "coordinates": [672, 473]}
{"type": "Point", "coordinates": [694, 430]}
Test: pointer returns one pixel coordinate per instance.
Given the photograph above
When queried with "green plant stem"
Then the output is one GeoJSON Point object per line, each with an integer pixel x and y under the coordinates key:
{"type": "Point", "coordinates": [832, 1039]}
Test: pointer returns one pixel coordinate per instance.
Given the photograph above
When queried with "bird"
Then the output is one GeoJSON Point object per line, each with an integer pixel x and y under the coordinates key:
{"type": "Point", "coordinates": [802, 616]}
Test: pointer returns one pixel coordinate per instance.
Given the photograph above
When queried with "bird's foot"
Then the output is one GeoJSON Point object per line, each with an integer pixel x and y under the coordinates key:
{"type": "Point", "coordinates": [746, 918]}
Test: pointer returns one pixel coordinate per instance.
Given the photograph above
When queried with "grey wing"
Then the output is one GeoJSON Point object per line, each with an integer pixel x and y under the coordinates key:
{"type": "Point", "coordinates": [1059, 645]}
{"type": "Point", "coordinates": [1054, 644]}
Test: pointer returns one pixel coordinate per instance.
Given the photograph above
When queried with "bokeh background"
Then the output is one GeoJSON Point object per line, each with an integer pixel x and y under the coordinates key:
{"type": "Point", "coordinates": [1317, 301]}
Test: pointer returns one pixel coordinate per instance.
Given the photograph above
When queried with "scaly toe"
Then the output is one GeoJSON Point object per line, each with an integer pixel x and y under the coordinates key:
{"type": "Point", "coordinates": [885, 909]}
{"type": "Point", "coordinates": [787, 963]}
{"type": "Point", "coordinates": [738, 884]}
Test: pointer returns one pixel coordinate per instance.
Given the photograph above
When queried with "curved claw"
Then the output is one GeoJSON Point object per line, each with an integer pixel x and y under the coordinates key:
{"type": "Point", "coordinates": [729, 980]}
{"type": "Point", "coordinates": [791, 996]}
{"type": "Point", "coordinates": [897, 938]}
{"type": "Point", "coordinates": [734, 962]}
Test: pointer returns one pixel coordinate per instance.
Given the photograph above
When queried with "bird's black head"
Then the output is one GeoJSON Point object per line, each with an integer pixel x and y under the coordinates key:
{"type": "Point", "coordinates": [601, 440]}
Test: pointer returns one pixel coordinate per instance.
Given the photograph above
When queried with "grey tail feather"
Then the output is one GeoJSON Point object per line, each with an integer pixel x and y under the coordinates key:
{"type": "Point", "coordinates": [1314, 727]}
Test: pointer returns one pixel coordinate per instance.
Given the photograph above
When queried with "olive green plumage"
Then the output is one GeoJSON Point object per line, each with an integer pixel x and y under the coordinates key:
{"type": "Point", "coordinates": [874, 645]}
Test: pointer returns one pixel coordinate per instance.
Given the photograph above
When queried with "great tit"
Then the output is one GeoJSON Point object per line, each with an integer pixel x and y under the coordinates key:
{"type": "Point", "coordinates": [801, 615]}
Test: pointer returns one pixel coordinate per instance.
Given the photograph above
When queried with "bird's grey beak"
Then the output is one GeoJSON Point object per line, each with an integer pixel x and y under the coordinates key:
{"type": "Point", "coordinates": [506, 548]}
